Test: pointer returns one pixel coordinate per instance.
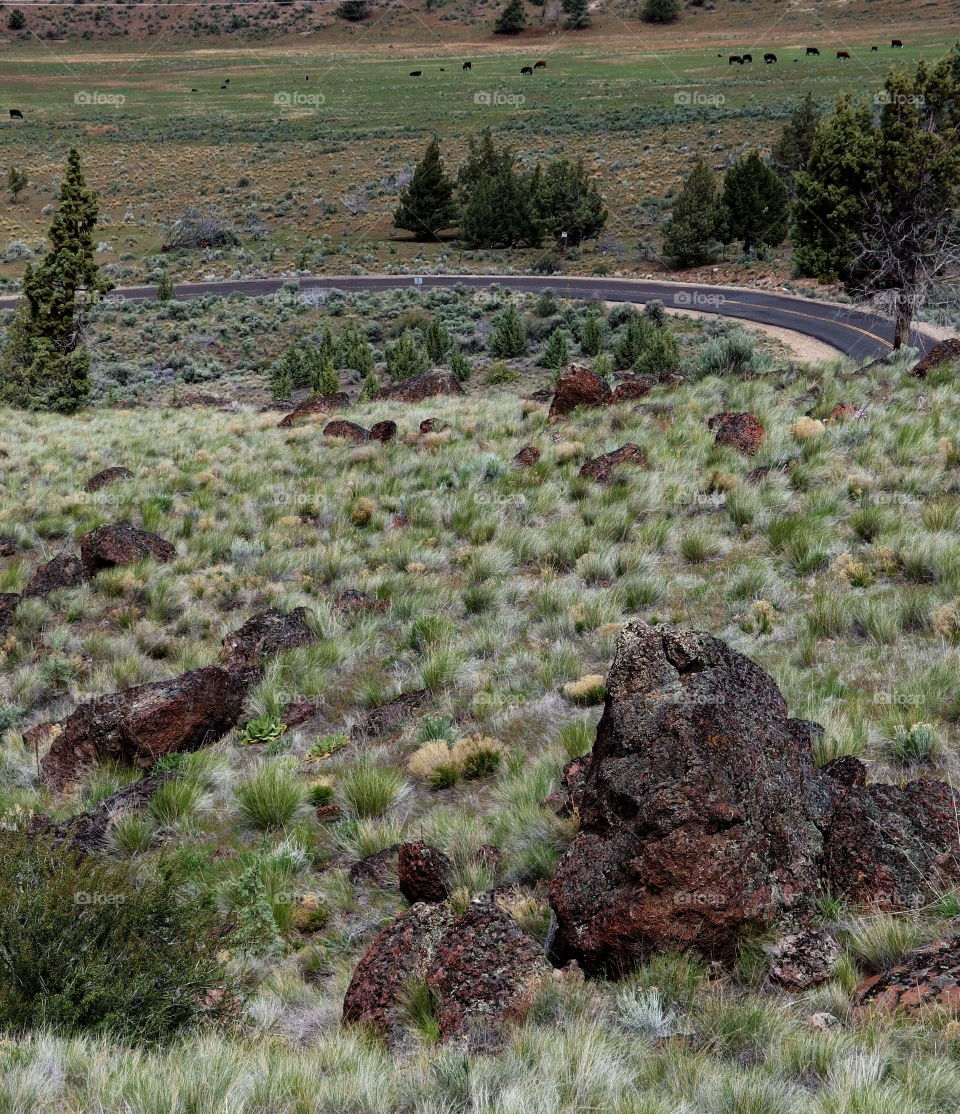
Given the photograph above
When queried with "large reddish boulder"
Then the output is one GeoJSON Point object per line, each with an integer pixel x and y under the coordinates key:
{"type": "Point", "coordinates": [119, 544]}
{"type": "Point", "coordinates": [700, 808]}
{"type": "Point", "coordinates": [311, 407]}
{"type": "Point", "coordinates": [64, 571]}
{"type": "Point", "coordinates": [419, 387]}
{"type": "Point", "coordinates": [383, 431]}
{"type": "Point", "coordinates": [947, 351]}
{"type": "Point", "coordinates": [527, 457]}
{"type": "Point", "coordinates": [600, 468]}
{"type": "Point", "coordinates": [630, 389]}
{"type": "Point", "coordinates": [482, 968]}
{"type": "Point", "coordinates": [742, 432]}
{"type": "Point", "coordinates": [398, 954]}
{"type": "Point", "coordinates": [578, 387]}
{"type": "Point", "coordinates": [270, 632]}
{"type": "Point", "coordinates": [142, 724]}
{"type": "Point", "coordinates": [703, 816]}
{"type": "Point", "coordinates": [106, 477]}
{"type": "Point", "coordinates": [485, 972]}
{"type": "Point", "coordinates": [347, 431]}
{"type": "Point", "coordinates": [424, 873]}
{"type": "Point", "coordinates": [920, 981]}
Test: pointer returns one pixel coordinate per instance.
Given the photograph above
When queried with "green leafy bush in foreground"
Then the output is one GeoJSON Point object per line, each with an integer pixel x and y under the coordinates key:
{"type": "Point", "coordinates": [87, 946]}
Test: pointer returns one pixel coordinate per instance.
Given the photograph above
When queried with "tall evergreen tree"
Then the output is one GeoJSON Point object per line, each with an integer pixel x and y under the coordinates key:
{"type": "Point", "coordinates": [44, 364]}
{"type": "Point", "coordinates": [426, 205]}
{"type": "Point", "coordinates": [497, 208]}
{"type": "Point", "coordinates": [660, 11]}
{"type": "Point", "coordinates": [566, 199]}
{"type": "Point", "coordinates": [578, 14]}
{"type": "Point", "coordinates": [691, 232]}
{"type": "Point", "coordinates": [792, 150]}
{"type": "Point", "coordinates": [755, 205]}
{"type": "Point", "coordinates": [512, 19]}
{"type": "Point", "coordinates": [877, 204]}
{"type": "Point", "coordinates": [508, 339]}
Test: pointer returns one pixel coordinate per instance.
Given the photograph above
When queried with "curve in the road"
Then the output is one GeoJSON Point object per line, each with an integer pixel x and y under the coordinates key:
{"type": "Point", "coordinates": [854, 332]}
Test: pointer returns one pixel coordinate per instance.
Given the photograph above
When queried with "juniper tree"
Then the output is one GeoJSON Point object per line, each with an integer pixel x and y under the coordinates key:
{"type": "Point", "coordinates": [426, 205]}
{"type": "Point", "coordinates": [592, 336]}
{"type": "Point", "coordinates": [556, 355]}
{"type": "Point", "coordinates": [406, 357]}
{"type": "Point", "coordinates": [512, 19]}
{"type": "Point", "coordinates": [17, 182]}
{"type": "Point", "coordinates": [566, 199]}
{"type": "Point", "coordinates": [497, 209]}
{"type": "Point", "coordinates": [508, 339]}
{"type": "Point", "coordinates": [690, 237]}
{"type": "Point", "coordinates": [792, 150]}
{"type": "Point", "coordinates": [755, 205]}
{"type": "Point", "coordinates": [44, 364]}
{"type": "Point", "coordinates": [436, 340]}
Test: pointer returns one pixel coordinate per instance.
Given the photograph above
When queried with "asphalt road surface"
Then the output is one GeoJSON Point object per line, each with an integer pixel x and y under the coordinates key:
{"type": "Point", "coordinates": [854, 332]}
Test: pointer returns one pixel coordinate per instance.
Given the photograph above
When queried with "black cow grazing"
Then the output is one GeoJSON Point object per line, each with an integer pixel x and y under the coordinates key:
{"type": "Point", "coordinates": [735, 58]}
{"type": "Point", "coordinates": [769, 58]}
{"type": "Point", "coordinates": [307, 78]}
{"type": "Point", "coordinates": [812, 50]}
{"type": "Point", "coordinates": [843, 54]}
{"type": "Point", "coordinates": [223, 86]}
{"type": "Point", "coordinates": [443, 69]}
{"type": "Point", "coordinates": [527, 70]}
{"type": "Point", "coordinates": [467, 66]}
{"type": "Point", "coordinates": [194, 90]}
{"type": "Point", "coordinates": [874, 49]}
{"type": "Point", "coordinates": [226, 81]}
{"type": "Point", "coordinates": [541, 65]}
{"type": "Point", "coordinates": [897, 43]}
{"type": "Point", "coordinates": [416, 73]}
{"type": "Point", "coordinates": [16, 114]}
{"type": "Point", "coordinates": [747, 58]}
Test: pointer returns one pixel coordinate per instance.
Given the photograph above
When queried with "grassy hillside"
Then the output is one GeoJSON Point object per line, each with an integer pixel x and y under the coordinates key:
{"type": "Point", "coordinates": [838, 571]}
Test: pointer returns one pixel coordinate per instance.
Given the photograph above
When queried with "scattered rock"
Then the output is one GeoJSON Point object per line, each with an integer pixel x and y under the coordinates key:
{"type": "Point", "coordinates": [9, 602]}
{"type": "Point", "coordinates": [200, 398]}
{"type": "Point", "coordinates": [141, 724]}
{"type": "Point", "coordinates": [418, 388]}
{"type": "Point", "coordinates": [527, 457]}
{"type": "Point", "coordinates": [578, 387]}
{"type": "Point", "coordinates": [600, 468]}
{"type": "Point", "coordinates": [822, 1022]}
{"type": "Point", "coordinates": [922, 980]}
{"type": "Point", "coordinates": [351, 600]}
{"type": "Point", "coordinates": [631, 389]}
{"type": "Point", "coordinates": [107, 476]}
{"type": "Point", "coordinates": [319, 404]}
{"type": "Point", "coordinates": [297, 712]}
{"type": "Point", "coordinates": [482, 968]}
{"type": "Point", "coordinates": [383, 431]}
{"type": "Point", "coordinates": [803, 959]}
{"type": "Point", "coordinates": [270, 632]}
{"type": "Point", "coordinates": [65, 571]}
{"type": "Point", "coordinates": [703, 816]}
{"type": "Point", "coordinates": [433, 425]}
{"type": "Point", "coordinates": [944, 352]}
{"type": "Point", "coordinates": [89, 831]}
{"type": "Point", "coordinates": [742, 432]}
{"type": "Point", "coordinates": [398, 954]}
{"type": "Point", "coordinates": [377, 869]}
{"type": "Point", "coordinates": [119, 544]}
{"type": "Point", "coordinates": [8, 546]}
{"type": "Point", "coordinates": [485, 972]}
{"type": "Point", "coordinates": [348, 431]}
{"type": "Point", "coordinates": [424, 872]}
{"type": "Point", "coordinates": [756, 475]}
{"type": "Point", "coordinates": [842, 411]}
{"type": "Point", "coordinates": [386, 719]}
{"type": "Point", "coordinates": [699, 810]}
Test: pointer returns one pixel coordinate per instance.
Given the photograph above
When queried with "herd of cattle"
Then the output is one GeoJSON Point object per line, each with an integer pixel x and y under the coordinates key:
{"type": "Point", "coordinates": [528, 70]}
{"type": "Point", "coordinates": [739, 59]}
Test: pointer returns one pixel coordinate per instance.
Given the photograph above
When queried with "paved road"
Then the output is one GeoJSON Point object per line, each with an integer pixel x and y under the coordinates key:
{"type": "Point", "coordinates": [854, 332]}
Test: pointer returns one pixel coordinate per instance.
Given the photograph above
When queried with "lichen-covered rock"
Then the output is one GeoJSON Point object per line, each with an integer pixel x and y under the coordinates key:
{"type": "Point", "coordinates": [383, 431]}
{"type": "Point", "coordinates": [106, 477]}
{"type": "Point", "coordinates": [803, 959]}
{"type": "Point", "coordinates": [64, 571]}
{"type": "Point", "coordinates": [118, 544]}
{"type": "Point", "coordinates": [527, 457]}
{"type": "Point", "coordinates": [311, 407]}
{"type": "Point", "coordinates": [142, 724]}
{"type": "Point", "coordinates": [742, 432]}
{"type": "Point", "coordinates": [270, 632]}
{"type": "Point", "coordinates": [346, 431]}
{"type": "Point", "coordinates": [922, 980]}
{"type": "Point", "coordinates": [386, 719]}
{"type": "Point", "coordinates": [424, 873]}
{"type": "Point", "coordinates": [601, 468]}
{"type": "Point", "coordinates": [90, 831]}
{"type": "Point", "coordinates": [9, 602]}
{"type": "Point", "coordinates": [419, 387]}
{"type": "Point", "coordinates": [578, 387]}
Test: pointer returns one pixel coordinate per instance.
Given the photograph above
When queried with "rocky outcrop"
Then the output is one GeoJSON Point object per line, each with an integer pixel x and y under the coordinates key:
{"type": "Point", "coordinates": [90, 831]}
{"type": "Point", "coordinates": [270, 632]}
{"type": "Point", "coordinates": [142, 724]}
{"type": "Point", "coordinates": [64, 571]}
{"type": "Point", "coordinates": [742, 432]}
{"type": "Point", "coordinates": [703, 815]}
{"type": "Point", "coordinates": [600, 469]}
{"type": "Point", "coordinates": [423, 872]}
{"type": "Point", "coordinates": [481, 967]}
{"type": "Point", "coordinates": [310, 407]}
{"type": "Point", "coordinates": [947, 351]}
{"type": "Point", "coordinates": [921, 981]}
{"type": "Point", "coordinates": [106, 477]}
{"type": "Point", "coordinates": [433, 425]}
{"type": "Point", "coordinates": [578, 387]}
{"type": "Point", "coordinates": [346, 431]}
{"type": "Point", "coordinates": [119, 544]}
{"type": "Point", "coordinates": [419, 387]}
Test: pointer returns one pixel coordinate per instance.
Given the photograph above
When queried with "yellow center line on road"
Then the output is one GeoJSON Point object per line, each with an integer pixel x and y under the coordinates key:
{"type": "Point", "coordinates": [813, 317]}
